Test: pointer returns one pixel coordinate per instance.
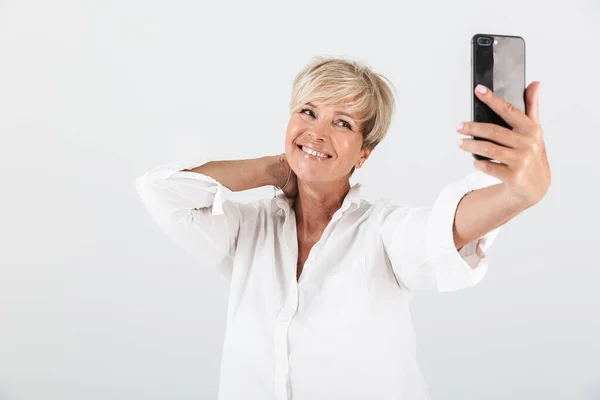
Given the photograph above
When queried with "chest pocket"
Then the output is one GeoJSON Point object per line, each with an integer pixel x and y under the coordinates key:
{"type": "Point", "coordinates": [343, 295]}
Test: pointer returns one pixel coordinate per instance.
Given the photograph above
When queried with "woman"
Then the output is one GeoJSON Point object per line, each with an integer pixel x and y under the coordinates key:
{"type": "Point", "coordinates": [320, 279]}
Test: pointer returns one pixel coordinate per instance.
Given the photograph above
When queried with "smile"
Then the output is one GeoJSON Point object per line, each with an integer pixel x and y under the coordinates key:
{"type": "Point", "coordinates": [312, 154]}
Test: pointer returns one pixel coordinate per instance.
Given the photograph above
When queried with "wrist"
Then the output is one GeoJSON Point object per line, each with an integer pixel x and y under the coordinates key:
{"type": "Point", "coordinates": [273, 168]}
{"type": "Point", "coordinates": [514, 201]}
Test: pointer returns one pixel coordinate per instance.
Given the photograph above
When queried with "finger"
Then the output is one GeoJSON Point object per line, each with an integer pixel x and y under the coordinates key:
{"type": "Point", "coordinates": [499, 171]}
{"type": "Point", "coordinates": [493, 132]}
{"type": "Point", "coordinates": [531, 101]}
{"type": "Point", "coordinates": [505, 155]}
{"type": "Point", "coordinates": [513, 116]}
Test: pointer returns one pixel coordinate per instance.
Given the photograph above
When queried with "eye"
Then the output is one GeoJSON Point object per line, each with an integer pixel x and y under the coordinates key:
{"type": "Point", "coordinates": [306, 109]}
{"type": "Point", "coordinates": [310, 112]}
{"type": "Point", "coordinates": [346, 124]}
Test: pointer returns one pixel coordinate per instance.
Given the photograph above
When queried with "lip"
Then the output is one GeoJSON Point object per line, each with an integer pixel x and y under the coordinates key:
{"type": "Point", "coordinates": [315, 149]}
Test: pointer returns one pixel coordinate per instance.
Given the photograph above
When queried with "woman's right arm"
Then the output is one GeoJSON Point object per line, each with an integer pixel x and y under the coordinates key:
{"type": "Point", "coordinates": [238, 175]}
{"type": "Point", "coordinates": [187, 202]}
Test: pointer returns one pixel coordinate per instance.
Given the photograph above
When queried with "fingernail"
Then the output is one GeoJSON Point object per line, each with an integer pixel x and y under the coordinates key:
{"type": "Point", "coordinates": [460, 126]}
{"type": "Point", "coordinates": [459, 142]}
{"type": "Point", "coordinates": [481, 89]}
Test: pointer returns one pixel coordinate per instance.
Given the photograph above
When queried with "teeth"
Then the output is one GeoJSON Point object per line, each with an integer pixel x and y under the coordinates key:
{"type": "Point", "coordinates": [314, 153]}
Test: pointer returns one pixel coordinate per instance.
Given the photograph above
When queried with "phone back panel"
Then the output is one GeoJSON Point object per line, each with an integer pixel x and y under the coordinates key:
{"type": "Point", "coordinates": [499, 66]}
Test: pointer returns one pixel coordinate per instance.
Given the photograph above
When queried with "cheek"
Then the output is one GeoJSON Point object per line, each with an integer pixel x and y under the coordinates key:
{"type": "Point", "coordinates": [294, 129]}
{"type": "Point", "coordinates": [345, 146]}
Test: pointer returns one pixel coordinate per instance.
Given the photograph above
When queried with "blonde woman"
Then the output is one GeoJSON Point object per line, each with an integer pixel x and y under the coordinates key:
{"type": "Point", "coordinates": [320, 279]}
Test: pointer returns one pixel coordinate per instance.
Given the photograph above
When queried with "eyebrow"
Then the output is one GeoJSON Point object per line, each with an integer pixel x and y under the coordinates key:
{"type": "Point", "coordinates": [337, 112]}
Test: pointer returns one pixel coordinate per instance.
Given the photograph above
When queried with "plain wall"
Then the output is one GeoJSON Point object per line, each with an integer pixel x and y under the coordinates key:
{"type": "Point", "coordinates": [96, 303]}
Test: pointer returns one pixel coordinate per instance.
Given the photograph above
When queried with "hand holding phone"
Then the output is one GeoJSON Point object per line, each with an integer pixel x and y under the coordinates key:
{"type": "Point", "coordinates": [507, 118]}
{"type": "Point", "coordinates": [497, 62]}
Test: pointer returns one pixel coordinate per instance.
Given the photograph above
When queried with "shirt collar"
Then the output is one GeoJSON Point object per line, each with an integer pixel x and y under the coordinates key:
{"type": "Point", "coordinates": [282, 203]}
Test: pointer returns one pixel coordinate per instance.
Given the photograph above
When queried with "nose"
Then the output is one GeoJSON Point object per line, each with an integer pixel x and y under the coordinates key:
{"type": "Point", "coordinates": [318, 131]}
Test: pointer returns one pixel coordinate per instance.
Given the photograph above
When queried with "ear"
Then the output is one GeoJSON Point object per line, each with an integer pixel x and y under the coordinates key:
{"type": "Point", "coordinates": [364, 154]}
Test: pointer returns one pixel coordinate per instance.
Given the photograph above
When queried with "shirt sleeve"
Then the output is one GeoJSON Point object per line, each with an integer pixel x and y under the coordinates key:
{"type": "Point", "coordinates": [193, 210]}
{"type": "Point", "coordinates": [420, 245]}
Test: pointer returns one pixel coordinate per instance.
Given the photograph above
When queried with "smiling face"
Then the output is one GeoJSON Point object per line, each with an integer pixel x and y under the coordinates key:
{"type": "Point", "coordinates": [324, 142]}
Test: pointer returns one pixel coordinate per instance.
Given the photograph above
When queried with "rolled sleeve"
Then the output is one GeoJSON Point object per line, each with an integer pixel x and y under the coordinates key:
{"type": "Point", "coordinates": [183, 190]}
{"type": "Point", "coordinates": [194, 211]}
{"type": "Point", "coordinates": [455, 270]}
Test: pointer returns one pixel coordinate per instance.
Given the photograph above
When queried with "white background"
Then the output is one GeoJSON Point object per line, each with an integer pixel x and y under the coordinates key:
{"type": "Point", "coordinates": [96, 303]}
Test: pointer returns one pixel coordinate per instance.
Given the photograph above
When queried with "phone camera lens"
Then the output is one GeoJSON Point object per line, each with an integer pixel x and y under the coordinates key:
{"type": "Point", "coordinates": [484, 41]}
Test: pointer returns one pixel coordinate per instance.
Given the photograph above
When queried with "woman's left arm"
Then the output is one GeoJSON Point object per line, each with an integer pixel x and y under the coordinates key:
{"type": "Point", "coordinates": [523, 166]}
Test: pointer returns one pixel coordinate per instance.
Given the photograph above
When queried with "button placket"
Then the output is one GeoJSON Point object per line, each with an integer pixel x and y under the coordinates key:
{"type": "Point", "coordinates": [282, 384]}
{"type": "Point", "coordinates": [281, 343]}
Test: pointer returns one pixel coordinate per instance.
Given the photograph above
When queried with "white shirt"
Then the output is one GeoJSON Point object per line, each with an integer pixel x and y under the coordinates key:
{"type": "Point", "coordinates": [343, 330]}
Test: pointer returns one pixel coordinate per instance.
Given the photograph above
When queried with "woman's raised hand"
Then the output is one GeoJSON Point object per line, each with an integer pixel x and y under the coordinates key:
{"type": "Point", "coordinates": [291, 189]}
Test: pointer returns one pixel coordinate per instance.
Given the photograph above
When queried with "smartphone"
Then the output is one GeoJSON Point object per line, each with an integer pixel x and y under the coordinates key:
{"type": "Point", "coordinates": [497, 62]}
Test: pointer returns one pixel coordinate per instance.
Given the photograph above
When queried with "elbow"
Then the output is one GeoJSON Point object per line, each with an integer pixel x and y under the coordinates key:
{"type": "Point", "coordinates": [144, 187]}
{"type": "Point", "coordinates": [140, 185]}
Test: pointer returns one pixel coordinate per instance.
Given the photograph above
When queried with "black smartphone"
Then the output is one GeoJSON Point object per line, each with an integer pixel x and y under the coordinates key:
{"type": "Point", "coordinates": [497, 62]}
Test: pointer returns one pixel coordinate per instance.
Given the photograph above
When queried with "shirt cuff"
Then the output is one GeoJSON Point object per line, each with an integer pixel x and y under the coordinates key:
{"type": "Point", "coordinates": [455, 270]}
{"type": "Point", "coordinates": [173, 170]}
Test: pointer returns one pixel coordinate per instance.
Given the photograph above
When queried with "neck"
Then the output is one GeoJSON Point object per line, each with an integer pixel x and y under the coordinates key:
{"type": "Point", "coordinates": [316, 203]}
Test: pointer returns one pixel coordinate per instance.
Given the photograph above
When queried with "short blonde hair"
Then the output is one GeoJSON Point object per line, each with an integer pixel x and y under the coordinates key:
{"type": "Point", "coordinates": [336, 80]}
